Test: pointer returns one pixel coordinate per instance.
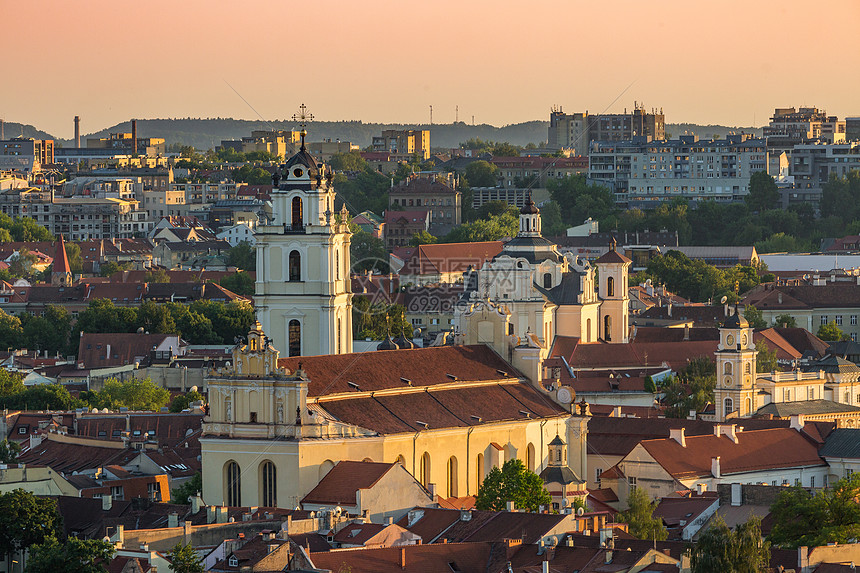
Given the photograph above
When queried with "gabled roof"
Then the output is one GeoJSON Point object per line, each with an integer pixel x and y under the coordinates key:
{"type": "Point", "coordinates": [330, 374]}
{"type": "Point", "coordinates": [450, 257]}
{"type": "Point", "coordinates": [796, 297]}
{"type": "Point", "coordinates": [61, 259]}
{"type": "Point", "coordinates": [842, 443]}
{"type": "Point", "coordinates": [466, 557]}
{"type": "Point", "coordinates": [675, 354]}
{"type": "Point", "coordinates": [806, 407]}
{"type": "Point", "coordinates": [101, 350]}
{"type": "Point", "coordinates": [340, 485]}
{"type": "Point", "coordinates": [756, 450]}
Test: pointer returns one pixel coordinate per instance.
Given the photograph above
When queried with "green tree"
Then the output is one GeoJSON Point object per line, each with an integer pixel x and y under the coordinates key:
{"type": "Point", "coordinates": [26, 230]}
{"type": "Point", "coordinates": [482, 174]}
{"type": "Point", "coordinates": [680, 397]}
{"type": "Point", "coordinates": [367, 253]}
{"type": "Point", "coordinates": [10, 331]}
{"type": "Point", "coordinates": [194, 327]}
{"type": "Point", "coordinates": [351, 161]}
{"type": "Point", "coordinates": [492, 229]}
{"type": "Point", "coordinates": [830, 332]}
{"type": "Point", "coordinates": [26, 520]}
{"type": "Point", "coordinates": [155, 318]}
{"type": "Point", "coordinates": [108, 268]}
{"type": "Point", "coordinates": [22, 265]}
{"type": "Point", "coordinates": [134, 394]}
{"type": "Point", "coordinates": [184, 491]}
{"type": "Point", "coordinates": [763, 192]}
{"type": "Point", "coordinates": [422, 238]}
{"type": "Point", "coordinates": [242, 256]}
{"type": "Point", "coordinates": [240, 283]}
{"type": "Point", "coordinates": [101, 315]}
{"type": "Point", "coordinates": [725, 550]}
{"type": "Point", "coordinates": [183, 559]}
{"type": "Point", "coordinates": [754, 317]}
{"type": "Point", "coordinates": [640, 517]}
{"type": "Point", "coordinates": [785, 321]}
{"type": "Point", "coordinates": [766, 360]}
{"type": "Point", "coordinates": [49, 332]}
{"type": "Point", "coordinates": [514, 482]}
{"type": "Point", "coordinates": [41, 397]}
{"type": "Point", "coordinates": [9, 451]}
{"type": "Point", "coordinates": [578, 200]}
{"type": "Point", "coordinates": [157, 276]}
{"type": "Point", "coordinates": [183, 401]}
{"type": "Point", "coordinates": [230, 320]}
{"type": "Point", "coordinates": [73, 556]}
{"type": "Point", "coordinates": [252, 175]}
{"type": "Point", "coordinates": [831, 515]}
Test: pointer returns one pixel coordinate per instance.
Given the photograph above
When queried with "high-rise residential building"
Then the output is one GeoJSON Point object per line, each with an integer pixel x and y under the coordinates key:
{"type": "Point", "coordinates": [404, 144]}
{"type": "Point", "coordinates": [577, 131]}
{"type": "Point", "coordinates": [278, 142]}
{"type": "Point", "coordinates": [812, 164]}
{"type": "Point", "coordinates": [791, 126]}
{"type": "Point", "coordinates": [645, 173]}
{"type": "Point", "coordinates": [26, 153]}
{"type": "Point", "coordinates": [852, 128]}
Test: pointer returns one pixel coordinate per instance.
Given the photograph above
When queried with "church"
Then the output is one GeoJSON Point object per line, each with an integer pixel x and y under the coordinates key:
{"type": "Point", "coordinates": [293, 400]}
{"type": "Point", "coordinates": [530, 293]}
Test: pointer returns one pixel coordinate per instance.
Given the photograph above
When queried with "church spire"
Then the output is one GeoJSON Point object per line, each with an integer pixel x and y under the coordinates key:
{"type": "Point", "coordinates": [61, 274]}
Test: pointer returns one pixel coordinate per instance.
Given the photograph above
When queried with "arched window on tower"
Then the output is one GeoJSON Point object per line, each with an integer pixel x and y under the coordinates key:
{"type": "Point", "coordinates": [268, 485]}
{"type": "Point", "coordinates": [728, 406]}
{"type": "Point", "coordinates": [610, 286]}
{"type": "Point", "coordinates": [547, 280]}
{"type": "Point", "coordinates": [607, 328]}
{"type": "Point", "coordinates": [297, 213]}
{"type": "Point", "coordinates": [452, 477]}
{"type": "Point", "coordinates": [748, 368]}
{"type": "Point", "coordinates": [337, 265]}
{"type": "Point", "coordinates": [295, 338]}
{"type": "Point", "coordinates": [295, 264]}
{"type": "Point", "coordinates": [233, 483]}
{"type": "Point", "coordinates": [727, 368]}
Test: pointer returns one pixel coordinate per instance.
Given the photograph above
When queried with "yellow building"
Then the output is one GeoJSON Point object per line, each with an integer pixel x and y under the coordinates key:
{"type": "Point", "coordinates": [447, 414]}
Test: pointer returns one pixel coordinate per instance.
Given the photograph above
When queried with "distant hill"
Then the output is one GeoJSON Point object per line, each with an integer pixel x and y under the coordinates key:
{"type": "Point", "coordinates": [12, 129]}
{"type": "Point", "coordinates": [208, 133]}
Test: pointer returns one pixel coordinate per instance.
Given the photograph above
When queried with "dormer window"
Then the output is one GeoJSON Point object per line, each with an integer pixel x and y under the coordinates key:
{"type": "Point", "coordinates": [233, 561]}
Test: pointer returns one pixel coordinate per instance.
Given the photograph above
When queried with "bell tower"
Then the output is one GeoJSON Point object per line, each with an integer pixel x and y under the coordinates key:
{"type": "Point", "coordinates": [303, 296]}
{"type": "Point", "coordinates": [612, 271]}
{"type": "Point", "coordinates": [734, 394]}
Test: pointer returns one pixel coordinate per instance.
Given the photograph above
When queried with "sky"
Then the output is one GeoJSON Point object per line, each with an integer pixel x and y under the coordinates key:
{"type": "Point", "coordinates": [730, 62]}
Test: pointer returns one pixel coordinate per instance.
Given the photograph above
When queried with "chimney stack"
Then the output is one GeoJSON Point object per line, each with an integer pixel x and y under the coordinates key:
{"type": "Point", "coordinates": [2, 129]}
{"type": "Point", "coordinates": [78, 131]}
{"type": "Point", "coordinates": [677, 434]}
{"type": "Point", "coordinates": [715, 467]}
{"type": "Point", "coordinates": [134, 137]}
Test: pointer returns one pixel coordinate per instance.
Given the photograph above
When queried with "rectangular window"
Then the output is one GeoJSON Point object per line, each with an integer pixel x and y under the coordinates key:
{"type": "Point", "coordinates": [838, 320]}
{"type": "Point", "coordinates": [853, 320]}
{"type": "Point", "coordinates": [597, 472]}
{"type": "Point", "coordinates": [631, 481]}
{"type": "Point", "coordinates": [797, 481]}
{"type": "Point", "coordinates": [811, 481]}
{"type": "Point", "coordinates": [853, 337]}
{"type": "Point", "coordinates": [823, 319]}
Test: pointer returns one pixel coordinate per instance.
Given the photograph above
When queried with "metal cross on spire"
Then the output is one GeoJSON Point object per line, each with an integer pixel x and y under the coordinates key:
{"type": "Point", "coordinates": [303, 117]}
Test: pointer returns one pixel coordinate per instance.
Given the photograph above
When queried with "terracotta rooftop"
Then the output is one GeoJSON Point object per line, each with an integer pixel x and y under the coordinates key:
{"type": "Point", "coordinates": [800, 297]}
{"type": "Point", "coordinates": [102, 350]}
{"type": "Point", "coordinates": [341, 483]}
{"type": "Point", "coordinates": [331, 374]}
{"type": "Point", "coordinates": [465, 557]}
{"type": "Point", "coordinates": [450, 257]}
{"type": "Point", "coordinates": [756, 450]}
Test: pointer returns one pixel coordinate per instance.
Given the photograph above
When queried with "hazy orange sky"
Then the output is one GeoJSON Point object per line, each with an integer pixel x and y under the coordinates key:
{"type": "Point", "coordinates": [728, 62]}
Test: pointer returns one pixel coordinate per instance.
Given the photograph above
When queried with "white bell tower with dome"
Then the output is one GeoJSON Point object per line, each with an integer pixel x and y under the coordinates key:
{"type": "Point", "coordinates": [734, 394]}
{"type": "Point", "coordinates": [302, 295]}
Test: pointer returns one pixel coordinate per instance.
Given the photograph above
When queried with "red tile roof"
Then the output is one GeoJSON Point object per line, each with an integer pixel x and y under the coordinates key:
{"type": "Point", "coordinates": [674, 354]}
{"type": "Point", "coordinates": [756, 450]}
{"type": "Point", "coordinates": [450, 257]}
{"type": "Point", "coordinates": [100, 350]}
{"type": "Point", "coordinates": [467, 557]}
{"type": "Point", "coordinates": [61, 260]}
{"type": "Point", "coordinates": [340, 485]}
{"type": "Point", "coordinates": [331, 374]}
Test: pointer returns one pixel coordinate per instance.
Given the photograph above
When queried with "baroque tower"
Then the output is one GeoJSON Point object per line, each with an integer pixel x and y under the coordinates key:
{"type": "Point", "coordinates": [612, 272]}
{"type": "Point", "coordinates": [303, 296]}
{"type": "Point", "coordinates": [734, 393]}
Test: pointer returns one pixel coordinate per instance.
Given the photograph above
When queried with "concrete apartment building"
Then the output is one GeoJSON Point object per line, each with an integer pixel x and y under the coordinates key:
{"type": "Point", "coordinates": [791, 126]}
{"type": "Point", "coordinates": [26, 153]}
{"type": "Point", "coordinates": [536, 170]}
{"type": "Point", "coordinates": [643, 173]}
{"type": "Point", "coordinates": [852, 129]}
{"type": "Point", "coordinates": [324, 150]}
{"type": "Point", "coordinates": [404, 144]}
{"type": "Point", "coordinates": [812, 164]}
{"type": "Point", "coordinates": [130, 143]}
{"type": "Point", "coordinates": [577, 131]}
{"type": "Point", "coordinates": [277, 142]}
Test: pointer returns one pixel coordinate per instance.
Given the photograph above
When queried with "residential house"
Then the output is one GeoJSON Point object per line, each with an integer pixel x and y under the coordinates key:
{"type": "Point", "coordinates": [438, 196]}
{"type": "Point", "coordinates": [400, 226]}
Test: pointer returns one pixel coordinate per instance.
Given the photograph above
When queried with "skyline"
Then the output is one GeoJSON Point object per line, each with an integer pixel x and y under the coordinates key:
{"type": "Point", "coordinates": [386, 62]}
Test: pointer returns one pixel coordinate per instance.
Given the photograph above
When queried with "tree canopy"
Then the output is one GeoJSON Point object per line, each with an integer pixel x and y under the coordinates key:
{"type": "Point", "coordinates": [243, 256]}
{"type": "Point", "coordinates": [481, 174]}
{"type": "Point", "coordinates": [640, 517]}
{"type": "Point", "coordinates": [830, 332]}
{"type": "Point", "coordinates": [516, 483]}
{"type": "Point", "coordinates": [738, 550]}
{"type": "Point", "coordinates": [831, 515]}
{"type": "Point", "coordinates": [183, 559]}
{"type": "Point", "coordinates": [26, 520]}
{"type": "Point", "coordinates": [763, 192]}
{"type": "Point", "coordinates": [72, 556]}
{"type": "Point", "coordinates": [134, 394]}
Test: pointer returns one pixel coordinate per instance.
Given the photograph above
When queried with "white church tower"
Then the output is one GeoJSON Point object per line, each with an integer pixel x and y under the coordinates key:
{"type": "Point", "coordinates": [303, 297]}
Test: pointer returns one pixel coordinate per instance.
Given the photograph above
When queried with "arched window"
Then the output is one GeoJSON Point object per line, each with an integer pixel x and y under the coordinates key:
{"type": "Point", "coordinates": [337, 265]}
{"type": "Point", "coordinates": [727, 368]}
{"type": "Point", "coordinates": [233, 484]}
{"type": "Point", "coordinates": [424, 470]}
{"type": "Point", "coordinates": [547, 280]}
{"type": "Point", "coordinates": [268, 485]}
{"type": "Point", "coordinates": [728, 406]}
{"type": "Point", "coordinates": [747, 368]}
{"type": "Point", "coordinates": [610, 286]}
{"type": "Point", "coordinates": [479, 471]}
{"type": "Point", "coordinates": [530, 457]}
{"type": "Point", "coordinates": [588, 330]}
{"type": "Point", "coordinates": [295, 264]}
{"type": "Point", "coordinates": [452, 477]}
{"type": "Point", "coordinates": [298, 214]}
{"type": "Point", "coordinates": [295, 338]}
{"type": "Point", "coordinates": [339, 324]}
{"type": "Point", "coordinates": [749, 406]}
{"type": "Point", "coordinates": [607, 328]}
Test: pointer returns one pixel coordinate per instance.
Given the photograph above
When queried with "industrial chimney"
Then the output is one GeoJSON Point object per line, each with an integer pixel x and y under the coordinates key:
{"type": "Point", "coordinates": [134, 137]}
{"type": "Point", "coordinates": [2, 129]}
{"type": "Point", "coordinates": [78, 131]}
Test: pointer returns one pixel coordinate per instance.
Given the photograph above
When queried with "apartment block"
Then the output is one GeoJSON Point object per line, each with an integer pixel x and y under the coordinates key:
{"type": "Point", "coordinates": [645, 173]}
{"type": "Point", "coordinates": [432, 193]}
{"type": "Point", "coordinates": [324, 150]}
{"type": "Point", "coordinates": [404, 144]}
{"type": "Point", "coordinates": [577, 131]}
{"type": "Point", "coordinates": [812, 164]}
{"type": "Point", "coordinates": [277, 142]}
{"type": "Point", "coordinates": [791, 126]}
{"type": "Point", "coordinates": [26, 153]}
{"type": "Point", "coordinates": [533, 172]}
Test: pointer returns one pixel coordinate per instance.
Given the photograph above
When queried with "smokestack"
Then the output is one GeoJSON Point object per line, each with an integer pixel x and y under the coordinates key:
{"type": "Point", "coordinates": [2, 129]}
{"type": "Point", "coordinates": [134, 137]}
{"type": "Point", "coordinates": [78, 131]}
